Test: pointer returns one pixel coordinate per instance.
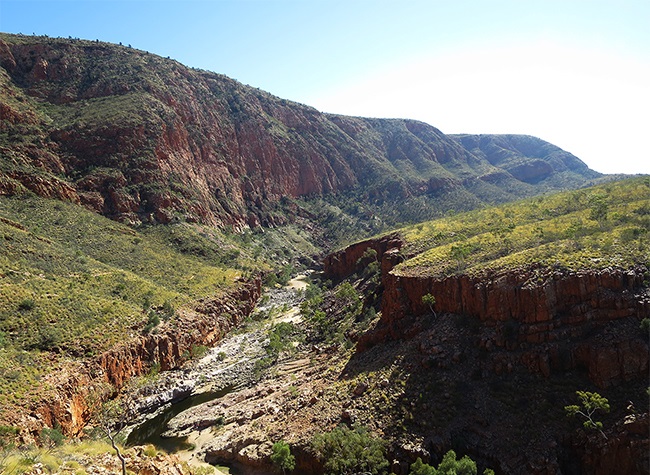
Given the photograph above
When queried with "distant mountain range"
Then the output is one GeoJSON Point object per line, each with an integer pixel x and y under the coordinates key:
{"type": "Point", "coordinates": [141, 138]}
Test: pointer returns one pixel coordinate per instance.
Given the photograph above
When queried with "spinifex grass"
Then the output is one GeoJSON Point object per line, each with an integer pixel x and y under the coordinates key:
{"type": "Point", "coordinates": [607, 225]}
{"type": "Point", "coordinates": [73, 283]}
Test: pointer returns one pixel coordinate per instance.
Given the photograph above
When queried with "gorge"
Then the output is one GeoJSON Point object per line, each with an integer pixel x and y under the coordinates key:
{"type": "Point", "coordinates": [151, 215]}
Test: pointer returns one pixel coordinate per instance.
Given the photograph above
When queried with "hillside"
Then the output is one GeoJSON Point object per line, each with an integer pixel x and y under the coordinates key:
{"type": "Point", "coordinates": [148, 209]}
{"type": "Point", "coordinates": [75, 284]}
{"type": "Point", "coordinates": [140, 138]}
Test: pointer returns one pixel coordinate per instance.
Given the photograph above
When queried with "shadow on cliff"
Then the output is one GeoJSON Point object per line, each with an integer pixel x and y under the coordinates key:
{"type": "Point", "coordinates": [490, 402]}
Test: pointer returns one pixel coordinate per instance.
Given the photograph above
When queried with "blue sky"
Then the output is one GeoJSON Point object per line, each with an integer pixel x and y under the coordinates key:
{"type": "Point", "coordinates": [573, 72]}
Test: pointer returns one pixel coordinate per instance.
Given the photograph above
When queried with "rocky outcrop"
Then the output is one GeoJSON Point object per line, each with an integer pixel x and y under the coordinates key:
{"type": "Point", "coordinates": [354, 258]}
{"type": "Point", "coordinates": [625, 450]}
{"type": "Point", "coordinates": [549, 319]}
{"type": "Point", "coordinates": [140, 138]}
{"type": "Point", "coordinates": [587, 318]}
{"type": "Point", "coordinates": [70, 404]}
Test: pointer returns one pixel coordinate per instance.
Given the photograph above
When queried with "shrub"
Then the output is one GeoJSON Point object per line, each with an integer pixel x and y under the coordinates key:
{"type": "Point", "coordinates": [449, 466]}
{"type": "Point", "coordinates": [645, 325]}
{"type": "Point", "coordinates": [345, 450]}
{"type": "Point", "coordinates": [282, 458]}
{"type": "Point", "coordinates": [153, 320]}
{"type": "Point", "coordinates": [26, 304]}
{"type": "Point", "coordinates": [150, 451]}
{"type": "Point", "coordinates": [52, 437]}
{"type": "Point", "coordinates": [168, 310]}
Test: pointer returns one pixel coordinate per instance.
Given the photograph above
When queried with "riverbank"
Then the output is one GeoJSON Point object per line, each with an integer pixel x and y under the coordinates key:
{"type": "Point", "coordinates": [228, 369]}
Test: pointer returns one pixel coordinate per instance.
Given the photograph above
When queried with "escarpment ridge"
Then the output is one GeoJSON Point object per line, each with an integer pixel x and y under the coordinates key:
{"type": "Point", "coordinates": [140, 138]}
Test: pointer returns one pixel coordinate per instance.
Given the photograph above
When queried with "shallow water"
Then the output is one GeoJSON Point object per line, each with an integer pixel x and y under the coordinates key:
{"type": "Point", "coordinates": [149, 432]}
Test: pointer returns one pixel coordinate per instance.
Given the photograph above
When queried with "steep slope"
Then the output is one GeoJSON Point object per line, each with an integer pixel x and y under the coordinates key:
{"type": "Point", "coordinates": [137, 137]}
{"type": "Point", "coordinates": [85, 300]}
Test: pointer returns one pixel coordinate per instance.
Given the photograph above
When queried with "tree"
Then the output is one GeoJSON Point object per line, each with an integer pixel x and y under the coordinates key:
{"type": "Point", "coordinates": [420, 468]}
{"type": "Point", "coordinates": [112, 416]}
{"type": "Point", "coordinates": [429, 300]}
{"type": "Point", "coordinates": [282, 457]}
{"type": "Point", "coordinates": [599, 209]}
{"type": "Point", "coordinates": [589, 404]}
{"type": "Point", "coordinates": [460, 252]}
{"type": "Point", "coordinates": [449, 466]}
{"type": "Point", "coordinates": [347, 451]}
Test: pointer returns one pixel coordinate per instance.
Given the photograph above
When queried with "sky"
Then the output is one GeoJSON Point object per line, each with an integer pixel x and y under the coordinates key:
{"type": "Point", "coordinates": [573, 72]}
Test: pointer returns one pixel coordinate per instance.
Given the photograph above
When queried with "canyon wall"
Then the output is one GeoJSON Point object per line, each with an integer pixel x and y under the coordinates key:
{"type": "Point", "coordinates": [138, 137]}
{"type": "Point", "coordinates": [547, 319]}
{"type": "Point", "coordinates": [69, 404]}
{"type": "Point", "coordinates": [551, 319]}
{"type": "Point", "coordinates": [351, 260]}
{"type": "Point", "coordinates": [548, 322]}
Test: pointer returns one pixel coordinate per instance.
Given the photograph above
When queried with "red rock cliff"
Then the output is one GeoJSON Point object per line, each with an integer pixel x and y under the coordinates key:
{"type": "Point", "coordinates": [138, 137]}
{"type": "Point", "coordinates": [529, 307]}
{"type": "Point", "coordinates": [343, 263]}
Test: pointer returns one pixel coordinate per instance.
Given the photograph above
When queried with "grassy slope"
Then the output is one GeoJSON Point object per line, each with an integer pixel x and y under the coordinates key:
{"type": "Point", "coordinates": [73, 283]}
{"type": "Point", "coordinates": [602, 226]}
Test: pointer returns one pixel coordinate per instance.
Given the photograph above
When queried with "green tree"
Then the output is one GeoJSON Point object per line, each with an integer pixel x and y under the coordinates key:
{"type": "Point", "coordinates": [448, 466]}
{"type": "Point", "coordinates": [589, 404]}
{"type": "Point", "coordinates": [451, 466]}
{"type": "Point", "coordinates": [420, 468]}
{"type": "Point", "coordinates": [460, 252]}
{"type": "Point", "coordinates": [599, 209]}
{"type": "Point", "coordinates": [429, 300]}
{"type": "Point", "coordinates": [347, 451]}
{"type": "Point", "coordinates": [282, 458]}
{"type": "Point", "coordinates": [51, 438]}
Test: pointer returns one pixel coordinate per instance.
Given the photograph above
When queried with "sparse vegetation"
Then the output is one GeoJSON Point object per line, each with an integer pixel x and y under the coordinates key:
{"type": "Point", "coordinates": [574, 230]}
{"type": "Point", "coordinates": [73, 282]}
{"type": "Point", "coordinates": [589, 404]}
{"type": "Point", "coordinates": [449, 466]}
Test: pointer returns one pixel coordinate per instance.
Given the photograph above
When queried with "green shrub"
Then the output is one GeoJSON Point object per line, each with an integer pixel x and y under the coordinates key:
{"type": "Point", "coordinates": [52, 437]}
{"type": "Point", "coordinates": [282, 458]}
{"type": "Point", "coordinates": [449, 466]}
{"type": "Point", "coordinates": [346, 450]}
{"type": "Point", "coordinates": [150, 451]}
{"type": "Point", "coordinates": [26, 304]}
{"type": "Point", "coordinates": [198, 351]}
{"type": "Point", "coordinates": [645, 325]}
{"type": "Point", "coordinates": [153, 320]}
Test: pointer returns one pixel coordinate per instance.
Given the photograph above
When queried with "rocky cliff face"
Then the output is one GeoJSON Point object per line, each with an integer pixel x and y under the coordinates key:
{"type": "Point", "coordinates": [550, 319]}
{"type": "Point", "coordinates": [527, 337]}
{"type": "Point", "coordinates": [591, 317]}
{"type": "Point", "coordinates": [348, 261]}
{"type": "Point", "coordinates": [141, 138]}
{"type": "Point", "coordinates": [74, 391]}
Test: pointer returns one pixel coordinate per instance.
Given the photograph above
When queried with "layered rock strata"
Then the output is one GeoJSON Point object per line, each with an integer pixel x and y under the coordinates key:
{"type": "Point", "coordinates": [548, 319]}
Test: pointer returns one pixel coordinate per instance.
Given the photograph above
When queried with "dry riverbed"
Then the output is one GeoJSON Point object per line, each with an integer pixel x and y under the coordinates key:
{"type": "Point", "coordinates": [229, 368]}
